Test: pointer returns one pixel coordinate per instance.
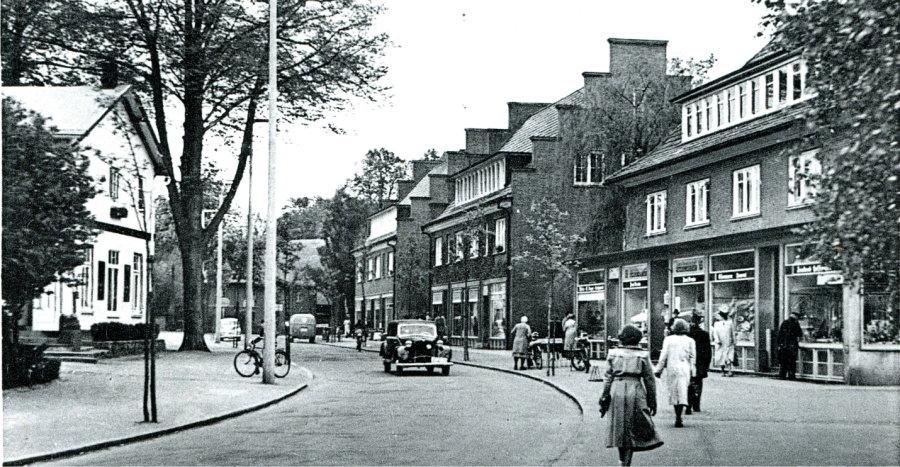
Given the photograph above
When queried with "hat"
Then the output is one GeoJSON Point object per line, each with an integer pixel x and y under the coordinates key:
{"type": "Point", "coordinates": [630, 335]}
{"type": "Point", "coordinates": [723, 310]}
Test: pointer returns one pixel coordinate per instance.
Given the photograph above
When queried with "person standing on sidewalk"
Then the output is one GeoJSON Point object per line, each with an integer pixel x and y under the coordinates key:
{"type": "Point", "coordinates": [678, 359]}
{"type": "Point", "coordinates": [723, 338]}
{"type": "Point", "coordinates": [521, 333]}
{"type": "Point", "coordinates": [629, 397]}
{"type": "Point", "coordinates": [704, 357]}
{"type": "Point", "coordinates": [570, 327]}
{"type": "Point", "coordinates": [789, 346]}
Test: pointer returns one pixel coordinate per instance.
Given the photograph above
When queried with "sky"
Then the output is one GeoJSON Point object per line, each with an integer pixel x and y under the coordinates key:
{"type": "Point", "coordinates": [455, 65]}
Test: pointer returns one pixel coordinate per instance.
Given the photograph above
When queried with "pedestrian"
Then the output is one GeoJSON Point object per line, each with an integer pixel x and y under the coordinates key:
{"type": "Point", "coordinates": [521, 333]}
{"type": "Point", "coordinates": [360, 335]}
{"type": "Point", "coordinates": [789, 335]}
{"type": "Point", "coordinates": [678, 359]}
{"type": "Point", "coordinates": [723, 338]}
{"type": "Point", "coordinates": [629, 398]}
{"type": "Point", "coordinates": [569, 329]}
{"type": "Point", "coordinates": [704, 357]}
{"type": "Point", "coordinates": [441, 325]}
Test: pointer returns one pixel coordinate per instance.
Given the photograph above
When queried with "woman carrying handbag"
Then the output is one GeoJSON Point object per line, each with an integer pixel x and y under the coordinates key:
{"type": "Point", "coordinates": [629, 398]}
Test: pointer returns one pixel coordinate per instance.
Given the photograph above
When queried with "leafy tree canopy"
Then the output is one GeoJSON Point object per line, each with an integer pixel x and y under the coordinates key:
{"type": "Point", "coordinates": [46, 223]}
{"type": "Point", "coordinates": [852, 50]}
{"type": "Point", "coordinates": [377, 181]}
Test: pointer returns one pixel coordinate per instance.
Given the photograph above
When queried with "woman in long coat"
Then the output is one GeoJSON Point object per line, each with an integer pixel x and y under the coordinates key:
{"type": "Point", "coordinates": [723, 338]}
{"type": "Point", "coordinates": [521, 333]}
{"type": "Point", "coordinates": [678, 359]}
{"type": "Point", "coordinates": [629, 398]}
{"type": "Point", "coordinates": [570, 327]}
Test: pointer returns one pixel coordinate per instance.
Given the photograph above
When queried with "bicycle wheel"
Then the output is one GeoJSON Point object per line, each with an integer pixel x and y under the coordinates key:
{"type": "Point", "coordinates": [246, 363]}
{"type": "Point", "coordinates": [578, 361]}
{"type": "Point", "coordinates": [282, 364]}
{"type": "Point", "coordinates": [537, 357]}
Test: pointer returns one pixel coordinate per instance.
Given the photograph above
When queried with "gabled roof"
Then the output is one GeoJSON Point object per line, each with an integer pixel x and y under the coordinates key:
{"type": "Point", "coordinates": [544, 123]}
{"type": "Point", "coordinates": [672, 149]}
{"type": "Point", "coordinates": [423, 188]}
{"type": "Point", "coordinates": [75, 110]}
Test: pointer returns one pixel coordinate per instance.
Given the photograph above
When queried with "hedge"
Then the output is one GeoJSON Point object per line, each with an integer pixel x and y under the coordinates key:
{"type": "Point", "coordinates": [111, 331]}
{"type": "Point", "coordinates": [24, 365]}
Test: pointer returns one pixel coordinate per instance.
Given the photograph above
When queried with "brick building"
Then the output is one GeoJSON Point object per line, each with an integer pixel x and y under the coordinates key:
{"type": "Point", "coordinates": [547, 151]}
{"type": "Point", "coordinates": [711, 216]}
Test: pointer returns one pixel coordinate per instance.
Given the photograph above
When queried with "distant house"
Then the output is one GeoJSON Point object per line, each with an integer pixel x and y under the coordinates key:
{"type": "Point", "coordinates": [114, 279]}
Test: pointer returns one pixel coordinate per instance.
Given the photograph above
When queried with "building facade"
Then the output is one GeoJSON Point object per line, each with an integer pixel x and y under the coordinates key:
{"type": "Point", "coordinates": [478, 282]}
{"type": "Point", "coordinates": [711, 221]}
{"type": "Point", "coordinates": [114, 282]}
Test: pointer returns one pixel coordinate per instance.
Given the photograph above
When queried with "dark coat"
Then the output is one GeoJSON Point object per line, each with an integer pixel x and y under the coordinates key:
{"type": "Point", "coordinates": [789, 335]}
{"type": "Point", "coordinates": [704, 350]}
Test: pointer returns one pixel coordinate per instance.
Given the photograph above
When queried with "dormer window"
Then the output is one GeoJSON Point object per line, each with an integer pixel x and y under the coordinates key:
{"type": "Point", "coordinates": [481, 182]}
{"type": "Point", "coordinates": [758, 95]}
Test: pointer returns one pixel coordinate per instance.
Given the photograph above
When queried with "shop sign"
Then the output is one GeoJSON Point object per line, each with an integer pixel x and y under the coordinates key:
{"type": "Point", "coordinates": [688, 266]}
{"type": "Point", "coordinates": [634, 284]}
{"type": "Point", "coordinates": [591, 288]}
{"type": "Point", "coordinates": [734, 275]}
{"type": "Point", "coordinates": [634, 272]}
{"type": "Point", "coordinates": [807, 269]}
{"type": "Point", "coordinates": [829, 279]}
{"type": "Point", "coordinates": [695, 279]}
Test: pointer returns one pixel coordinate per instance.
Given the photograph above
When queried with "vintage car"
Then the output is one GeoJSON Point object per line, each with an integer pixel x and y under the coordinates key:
{"type": "Point", "coordinates": [413, 343]}
{"type": "Point", "coordinates": [303, 326]}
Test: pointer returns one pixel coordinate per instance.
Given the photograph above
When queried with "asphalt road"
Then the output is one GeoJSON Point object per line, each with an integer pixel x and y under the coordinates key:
{"type": "Point", "coordinates": [355, 414]}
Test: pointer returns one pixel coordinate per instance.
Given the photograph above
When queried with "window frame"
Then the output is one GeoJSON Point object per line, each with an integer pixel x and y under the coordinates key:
{"type": "Point", "coordinates": [810, 161]}
{"type": "Point", "coordinates": [500, 235]}
{"type": "Point", "coordinates": [438, 251]}
{"type": "Point", "coordinates": [700, 203]}
{"type": "Point", "coordinates": [749, 205]}
{"type": "Point", "coordinates": [656, 213]}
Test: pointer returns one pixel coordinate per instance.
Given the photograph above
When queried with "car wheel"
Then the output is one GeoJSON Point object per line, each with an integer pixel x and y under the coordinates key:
{"type": "Point", "coordinates": [312, 340]}
{"type": "Point", "coordinates": [445, 371]}
{"type": "Point", "coordinates": [399, 371]}
{"type": "Point", "coordinates": [387, 367]}
{"type": "Point", "coordinates": [430, 370]}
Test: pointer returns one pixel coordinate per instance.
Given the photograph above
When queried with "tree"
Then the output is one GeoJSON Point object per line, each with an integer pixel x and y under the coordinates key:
{"type": "Point", "coordinates": [431, 155]}
{"type": "Point", "coordinates": [208, 60]}
{"type": "Point", "coordinates": [301, 218]}
{"type": "Point", "coordinates": [851, 51]}
{"type": "Point", "coordinates": [548, 246]}
{"type": "Point", "coordinates": [46, 222]}
{"type": "Point", "coordinates": [624, 121]}
{"type": "Point", "coordinates": [377, 180]}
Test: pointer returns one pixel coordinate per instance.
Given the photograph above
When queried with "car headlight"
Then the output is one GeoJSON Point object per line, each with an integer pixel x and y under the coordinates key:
{"type": "Point", "coordinates": [440, 343]}
{"type": "Point", "coordinates": [428, 346]}
{"type": "Point", "coordinates": [408, 343]}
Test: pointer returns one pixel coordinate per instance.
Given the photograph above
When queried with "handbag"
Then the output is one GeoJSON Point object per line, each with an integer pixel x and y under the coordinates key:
{"type": "Point", "coordinates": [605, 401]}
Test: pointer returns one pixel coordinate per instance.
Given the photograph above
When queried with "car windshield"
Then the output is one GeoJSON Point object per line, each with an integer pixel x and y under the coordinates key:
{"type": "Point", "coordinates": [428, 330]}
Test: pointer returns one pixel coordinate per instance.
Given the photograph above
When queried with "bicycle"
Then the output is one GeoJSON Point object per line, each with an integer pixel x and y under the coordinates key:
{"type": "Point", "coordinates": [580, 357]}
{"type": "Point", "coordinates": [248, 362]}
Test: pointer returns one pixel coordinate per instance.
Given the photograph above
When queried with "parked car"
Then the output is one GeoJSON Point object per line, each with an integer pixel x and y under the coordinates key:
{"type": "Point", "coordinates": [303, 326]}
{"type": "Point", "coordinates": [229, 330]}
{"type": "Point", "coordinates": [415, 343]}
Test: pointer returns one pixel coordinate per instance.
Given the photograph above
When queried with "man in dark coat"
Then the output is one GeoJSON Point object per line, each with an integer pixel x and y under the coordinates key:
{"type": "Point", "coordinates": [704, 357]}
{"type": "Point", "coordinates": [441, 327]}
{"type": "Point", "coordinates": [789, 346]}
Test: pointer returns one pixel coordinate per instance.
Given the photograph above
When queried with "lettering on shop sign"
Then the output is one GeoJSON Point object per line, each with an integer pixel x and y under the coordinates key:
{"type": "Point", "coordinates": [807, 269]}
{"type": "Point", "coordinates": [635, 284]}
{"type": "Point", "coordinates": [731, 276]}
{"type": "Point", "coordinates": [690, 279]}
{"type": "Point", "coordinates": [591, 288]}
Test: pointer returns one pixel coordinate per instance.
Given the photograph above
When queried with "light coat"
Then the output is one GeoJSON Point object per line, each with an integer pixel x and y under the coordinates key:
{"type": "Point", "coordinates": [631, 387]}
{"type": "Point", "coordinates": [723, 338]}
{"type": "Point", "coordinates": [679, 360]}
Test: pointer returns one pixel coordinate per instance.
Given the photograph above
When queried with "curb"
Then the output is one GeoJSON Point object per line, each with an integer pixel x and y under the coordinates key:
{"type": "Point", "coordinates": [503, 370]}
{"type": "Point", "coordinates": [151, 435]}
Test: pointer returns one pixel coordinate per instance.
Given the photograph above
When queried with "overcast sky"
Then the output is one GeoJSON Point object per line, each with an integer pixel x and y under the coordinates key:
{"type": "Point", "coordinates": [457, 63]}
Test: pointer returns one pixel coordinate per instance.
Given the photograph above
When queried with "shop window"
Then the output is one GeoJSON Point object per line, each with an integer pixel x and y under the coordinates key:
{"type": "Point", "coordinates": [689, 280]}
{"type": "Point", "coordinates": [472, 298]}
{"type": "Point", "coordinates": [733, 290]}
{"type": "Point", "coordinates": [456, 318]}
{"type": "Point", "coordinates": [592, 303]}
{"type": "Point", "coordinates": [803, 172]}
{"type": "Point", "coordinates": [498, 310]}
{"type": "Point", "coordinates": [437, 303]}
{"type": "Point", "coordinates": [656, 213]}
{"type": "Point", "coordinates": [815, 293]}
{"type": "Point", "coordinates": [697, 203]}
{"type": "Point", "coordinates": [745, 191]}
{"type": "Point", "coordinates": [634, 291]}
{"type": "Point", "coordinates": [881, 312]}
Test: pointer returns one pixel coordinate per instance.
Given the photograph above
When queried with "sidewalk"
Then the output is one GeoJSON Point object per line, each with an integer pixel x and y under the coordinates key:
{"type": "Point", "coordinates": [100, 404]}
{"type": "Point", "coordinates": [745, 420]}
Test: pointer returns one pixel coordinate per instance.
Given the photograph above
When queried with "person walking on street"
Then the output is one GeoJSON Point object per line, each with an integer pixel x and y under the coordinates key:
{"type": "Point", "coordinates": [441, 327]}
{"type": "Point", "coordinates": [789, 335]}
{"type": "Point", "coordinates": [704, 357]}
{"type": "Point", "coordinates": [521, 333]}
{"type": "Point", "coordinates": [678, 359]}
{"type": "Point", "coordinates": [723, 338]}
{"type": "Point", "coordinates": [629, 398]}
{"type": "Point", "coordinates": [569, 329]}
{"type": "Point", "coordinates": [360, 335]}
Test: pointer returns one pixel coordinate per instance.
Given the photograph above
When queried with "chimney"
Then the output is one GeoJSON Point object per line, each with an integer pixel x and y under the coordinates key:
{"type": "Point", "coordinates": [456, 161]}
{"type": "Point", "coordinates": [519, 112]}
{"type": "Point", "coordinates": [485, 141]}
{"type": "Point", "coordinates": [109, 74]}
{"type": "Point", "coordinates": [404, 187]}
{"type": "Point", "coordinates": [630, 55]}
{"type": "Point", "coordinates": [421, 168]}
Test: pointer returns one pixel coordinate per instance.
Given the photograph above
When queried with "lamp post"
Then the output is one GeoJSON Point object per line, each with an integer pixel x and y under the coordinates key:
{"type": "Point", "coordinates": [269, 351]}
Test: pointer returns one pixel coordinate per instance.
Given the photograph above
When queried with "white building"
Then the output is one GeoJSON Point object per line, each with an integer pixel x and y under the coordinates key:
{"type": "Point", "coordinates": [114, 280]}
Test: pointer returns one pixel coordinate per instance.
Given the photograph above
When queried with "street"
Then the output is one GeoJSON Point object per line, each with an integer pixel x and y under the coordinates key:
{"type": "Point", "coordinates": [355, 414]}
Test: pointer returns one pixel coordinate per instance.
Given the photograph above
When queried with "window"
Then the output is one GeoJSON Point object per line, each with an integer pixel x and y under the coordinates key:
{"type": "Point", "coordinates": [742, 101]}
{"type": "Point", "coordinates": [881, 312]}
{"type": "Point", "coordinates": [359, 272]}
{"type": "Point", "coordinates": [731, 104]}
{"type": "Point", "coordinates": [588, 169]}
{"type": "Point", "coordinates": [390, 264]}
{"type": "Point", "coordinates": [113, 257]}
{"type": "Point", "coordinates": [126, 284]}
{"type": "Point", "coordinates": [473, 245]}
{"type": "Point", "coordinates": [488, 238]}
{"type": "Point", "coordinates": [101, 280]}
{"type": "Point", "coordinates": [689, 119]}
{"type": "Point", "coordinates": [754, 97]}
{"type": "Point", "coordinates": [500, 235]}
{"type": "Point", "coordinates": [112, 276]}
{"type": "Point", "coordinates": [802, 172]}
{"type": "Point", "coordinates": [86, 289]}
{"type": "Point", "coordinates": [438, 251]}
{"type": "Point", "coordinates": [720, 109]}
{"type": "Point", "coordinates": [782, 85]}
{"type": "Point", "coordinates": [480, 182]}
{"type": "Point", "coordinates": [699, 119]}
{"type": "Point", "coordinates": [797, 81]}
{"type": "Point", "coordinates": [746, 191]}
{"type": "Point", "coordinates": [697, 204]}
{"type": "Point", "coordinates": [371, 269]}
{"type": "Point", "coordinates": [656, 213]}
{"type": "Point", "coordinates": [708, 124]}
{"type": "Point", "coordinates": [378, 267]}
{"type": "Point", "coordinates": [770, 90]}
{"type": "Point", "coordinates": [114, 183]}
{"type": "Point", "coordinates": [140, 200]}
{"type": "Point", "coordinates": [460, 247]}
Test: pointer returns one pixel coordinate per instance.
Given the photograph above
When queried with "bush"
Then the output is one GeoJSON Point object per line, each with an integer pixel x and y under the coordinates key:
{"type": "Point", "coordinates": [111, 331]}
{"type": "Point", "coordinates": [25, 365]}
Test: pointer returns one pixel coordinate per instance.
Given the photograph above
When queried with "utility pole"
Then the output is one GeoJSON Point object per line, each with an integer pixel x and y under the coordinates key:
{"type": "Point", "coordinates": [248, 322]}
{"type": "Point", "coordinates": [218, 334]}
{"type": "Point", "coordinates": [271, 340]}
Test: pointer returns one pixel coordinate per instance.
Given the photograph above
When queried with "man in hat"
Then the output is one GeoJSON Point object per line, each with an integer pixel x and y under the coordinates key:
{"type": "Point", "coordinates": [789, 346]}
{"type": "Point", "coordinates": [723, 338]}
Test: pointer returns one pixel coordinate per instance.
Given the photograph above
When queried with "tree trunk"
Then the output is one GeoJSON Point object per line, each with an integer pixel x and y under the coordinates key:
{"type": "Point", "coordinates": [192, 265]}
